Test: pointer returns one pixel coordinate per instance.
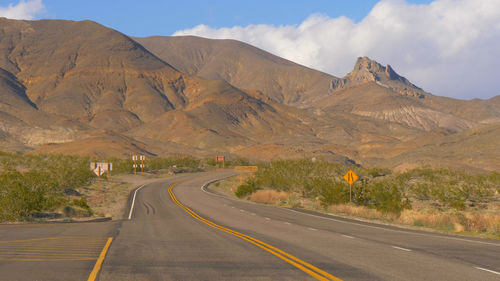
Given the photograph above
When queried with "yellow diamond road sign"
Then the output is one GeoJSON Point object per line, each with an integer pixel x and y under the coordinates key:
{"type": "Point", "coordinates": [350, 177]}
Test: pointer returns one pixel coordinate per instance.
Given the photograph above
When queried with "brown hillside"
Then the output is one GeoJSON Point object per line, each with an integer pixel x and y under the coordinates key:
{"type": "Point", "coordinates": [373, 100]}
{"type": "Point", "coordinates": [243, 66]}
{"type": "Point", "coordinates": [372, 87]}
{"type": "Point", "coordinates": [79, 87]}
{"type": "Point", "coordinates": [476, 148]}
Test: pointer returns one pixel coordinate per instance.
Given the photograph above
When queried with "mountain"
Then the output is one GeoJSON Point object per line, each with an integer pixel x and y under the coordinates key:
{"type": "Point", "coordinates": [79, 87]}
{"type": "Point", "coordinates": [247, 67]}
{"type": "Point", "coordinates": [473, 150]}
{"type": "Point", "coordinates": [367, 70]}
{"type": "Point", "coordinates": [243, 66]}
{"type": "Point", "coordinates": [374, 100]}
{"type": "Point", "coordinates": [110, 91]}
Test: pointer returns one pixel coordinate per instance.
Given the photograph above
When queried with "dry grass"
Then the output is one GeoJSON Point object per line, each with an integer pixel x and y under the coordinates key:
{"type": "Point", "coordinates": [357, 211]}
{"type": "Point", "coordinates": [457, 221]}
{"type": "Point", "coordinates": [269, 197]}
{"type": "Point", "coordinates": [448, 221]}
{"type": "Point", "coordinates": [484, 222]}
{"type": "Point", "coordinates": [229, 186]}
{"type": "Point", "coordinates": [108, 198]}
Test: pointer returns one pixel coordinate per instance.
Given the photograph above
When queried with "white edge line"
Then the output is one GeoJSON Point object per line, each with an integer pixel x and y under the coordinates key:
{"type": "Point", "coordinates": [399, 248]}
{"type": "Point", "coordinates": [394, 230]}
{"type": "Point", "coordinates": [133, 202]}
{"type": "Point", "coordinates": [347, 236]}
{"type": "Point", "coordinates": [491, 271]}
{"type": "Point", "coordinates": [203, 187]}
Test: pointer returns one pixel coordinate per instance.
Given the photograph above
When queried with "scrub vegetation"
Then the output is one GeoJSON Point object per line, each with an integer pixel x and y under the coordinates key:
{"type": "Point", "coordinates": [442, 199]}
{"type": "Point", "coordinates": [41, 186]}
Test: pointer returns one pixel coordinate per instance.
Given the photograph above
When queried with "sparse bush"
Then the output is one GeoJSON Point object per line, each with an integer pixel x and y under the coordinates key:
{"type": "Point", "coordinates": [386, 197]}
{"type": "Point", "coordinates": [68, 211]}
{"type": "Point", "coordinates": [237, 162]}
{"type": "Point", "coordinates": [331, 192]}
{"type": "Point", "coordinates": [249, 187]}
{"type": "Point", "coordinates": [452, 196]}
{"type": "Point", "coordinates": [40, 187]}
{"type": "Point", "coordinates": [82, 203]}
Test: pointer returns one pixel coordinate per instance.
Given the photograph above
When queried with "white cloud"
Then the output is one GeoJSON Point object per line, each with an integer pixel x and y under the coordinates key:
{"type": "Point", "coordinates": [448, 47]}
{"type": "Point", "coordinates": [23, 10]}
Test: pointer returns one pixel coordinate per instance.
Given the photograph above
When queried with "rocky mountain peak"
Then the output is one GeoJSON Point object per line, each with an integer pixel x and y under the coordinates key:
{"type": "Point", "coordinates": [365, 63]}
{"type": "Point", "coordinates": [368, 70]}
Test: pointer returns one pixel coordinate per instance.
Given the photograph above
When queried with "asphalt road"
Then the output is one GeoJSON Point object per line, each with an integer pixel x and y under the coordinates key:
{"type": "Point", "coordinates": [192, 234]}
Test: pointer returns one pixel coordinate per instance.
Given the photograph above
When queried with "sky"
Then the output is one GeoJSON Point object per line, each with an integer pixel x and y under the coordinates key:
{"type": "Point", "coordinates": [447, 47]}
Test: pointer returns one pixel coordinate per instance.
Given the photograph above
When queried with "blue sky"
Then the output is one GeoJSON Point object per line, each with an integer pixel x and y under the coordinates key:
{"type": "Point", "coordinates": [145, 18]}
{"type": "Point", "coordinates": [447, 47]}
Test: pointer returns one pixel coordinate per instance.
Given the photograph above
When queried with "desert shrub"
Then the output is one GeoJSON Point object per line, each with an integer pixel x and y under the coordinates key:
{"type": "Point", "coordinates": [82, 203]}
{"type": "Point", "coordinates": [378, 172]}
{"type": "Point", "coordinates": [121, 166]}
{"type": "Point", "coordinates": [68, 211]}
{"type": "Point", "coordinates": [386, 197]}
{"type": "Point", "coordinates": [240, 161]}
{"type": "Point", "coordinates": [295, 175]}
{"type": "Point", "coordinates": [331, 192]}
{"type": "Point", "coordinates": [41, 184]}
{"type": "Point", "coordinates": [247, 188]}
{"type": "Point", "coordinates": [324, 180]}
{"type": "Point", "coordinates": [210, 161]}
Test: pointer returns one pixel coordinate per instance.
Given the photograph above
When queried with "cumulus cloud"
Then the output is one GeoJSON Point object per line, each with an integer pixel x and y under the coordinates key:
{"type": "Point", "coordinates": [23, 10]}
{"type": "Point", "coordinates": [447, 47]}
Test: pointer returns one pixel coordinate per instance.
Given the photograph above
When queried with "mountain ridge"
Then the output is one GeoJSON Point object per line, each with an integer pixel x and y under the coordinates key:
{"type": "Point", "coordinates": [80, 87]}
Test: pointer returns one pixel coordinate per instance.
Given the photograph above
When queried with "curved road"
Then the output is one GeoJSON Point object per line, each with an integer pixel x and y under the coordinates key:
{"type": "Point", "coordinates": [194, 234]}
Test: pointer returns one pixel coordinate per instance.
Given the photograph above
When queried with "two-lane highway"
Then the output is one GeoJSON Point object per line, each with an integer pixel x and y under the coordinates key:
{"type": "Point", "coordinates": [164, 242]}
{"type": "Point", "coordinates": [180, 231]}
{"type": "Point", "coordinates": [173, 244]}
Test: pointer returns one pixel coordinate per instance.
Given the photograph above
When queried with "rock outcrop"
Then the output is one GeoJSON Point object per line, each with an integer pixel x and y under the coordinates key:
{"type": "Point", "coordinates": [367, 70]}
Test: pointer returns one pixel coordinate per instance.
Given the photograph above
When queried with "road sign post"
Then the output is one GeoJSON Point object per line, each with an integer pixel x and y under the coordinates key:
{"type": "Point", "coordinates": [220, 158]}
{"type": "Point", "coordinates": [350, 177]}
{"type": "Point", "coordinates": [99, 168]}
{"type": "Point", "coordinates": [142, 158]}
{"type": "Point", "coordinates": [134, 158]}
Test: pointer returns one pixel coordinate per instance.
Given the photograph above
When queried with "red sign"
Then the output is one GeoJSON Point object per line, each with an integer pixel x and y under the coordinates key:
{"type": "Point", "coordinates": [219, 158]}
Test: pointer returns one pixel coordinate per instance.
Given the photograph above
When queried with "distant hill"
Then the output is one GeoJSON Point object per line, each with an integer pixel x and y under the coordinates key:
{"type": "Point", "coordinates": [247, 67]}
{"type": "Point", "coordinates": [243, 66]}
{"type": "Point", "coordinates": [474, 149]}
{"type": "Point", "coordinates": [79, 87]}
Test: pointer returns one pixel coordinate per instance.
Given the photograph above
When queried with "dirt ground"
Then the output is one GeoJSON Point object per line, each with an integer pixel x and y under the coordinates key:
{"type": "Point", "coordinates": [108, 197]}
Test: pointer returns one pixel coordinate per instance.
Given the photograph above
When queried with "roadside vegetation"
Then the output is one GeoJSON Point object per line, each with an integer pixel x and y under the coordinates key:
{"type": "Point", "coordinates": [441, 199]}
{"type": "Point", "coordinates": [52, 186]}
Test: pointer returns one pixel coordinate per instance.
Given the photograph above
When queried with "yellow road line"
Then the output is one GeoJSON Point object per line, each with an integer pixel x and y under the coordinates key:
{"type": "Point", "coordinates": [53, 249]}
{"type": "Point", "coordinates": [97, 266]}
{"type": "Point", "coordinates": [45, 255]}
{"type": "Point", "coordinates": [55, 246]}
{"type": "Point", "coordinates": [33, 259]}
{"type": "Point", "coordinates": [300, 264]}
{"type": "Point", "coordinates": [76, 238]}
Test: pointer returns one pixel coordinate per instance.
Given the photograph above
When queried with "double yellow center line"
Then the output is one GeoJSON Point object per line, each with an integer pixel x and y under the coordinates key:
{"type": "Point", "coordinates": [300, 264]}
